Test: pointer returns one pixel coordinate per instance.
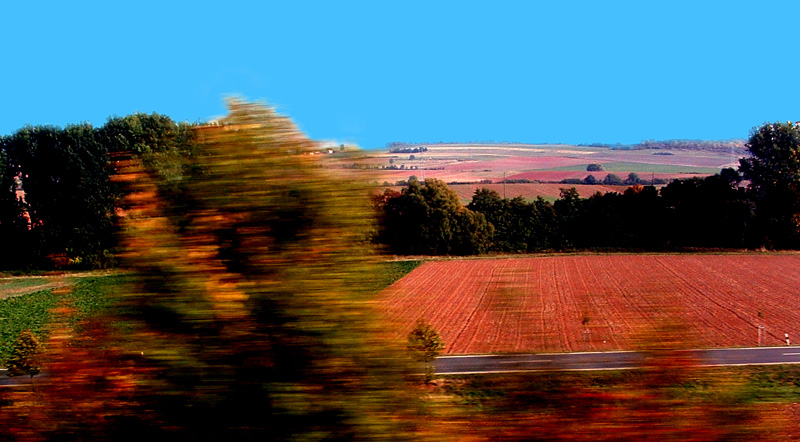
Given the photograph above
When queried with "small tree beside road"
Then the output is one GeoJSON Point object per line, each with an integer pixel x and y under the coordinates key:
{"type": "Point", "coordinates": [425, 344]}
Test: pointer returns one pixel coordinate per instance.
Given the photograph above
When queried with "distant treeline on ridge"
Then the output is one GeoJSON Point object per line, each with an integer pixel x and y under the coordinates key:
{"type": "Point", "coordinates": [59, 202]}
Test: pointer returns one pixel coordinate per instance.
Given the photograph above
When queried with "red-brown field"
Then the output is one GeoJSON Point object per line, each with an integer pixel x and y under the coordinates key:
{"type": "Point", "coordinates": [550, 176]}
{"type": "Point", "coordinates": [530, 191]}
{"type": "Point", "coordinates": [546, 162]}
{"type": "Point", "coordinates": [600, 302]}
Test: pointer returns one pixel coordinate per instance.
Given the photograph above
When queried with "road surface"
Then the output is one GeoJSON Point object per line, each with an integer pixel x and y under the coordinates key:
{"type": "Point", "coordinates": [615, 360]}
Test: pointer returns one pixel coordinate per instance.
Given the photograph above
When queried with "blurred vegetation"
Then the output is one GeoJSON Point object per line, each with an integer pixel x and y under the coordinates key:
{"type": "Point", "coordinates": [247, 314]}
{"type": "Point", "coordinates": [715, 404]}
{"type": "Point", "coordinates": [249, 309]}
{"type": "Point", "coordinates": [25, 358]}
{"type": "Point", "coordinates": [425, 344]}
{"type": "Point", "coordinates": [90, 297]}
{"type": "Point", "coordinates": [27, 312]}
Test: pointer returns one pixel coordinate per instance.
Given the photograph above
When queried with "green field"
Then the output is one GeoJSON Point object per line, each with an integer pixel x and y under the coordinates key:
{"type": "Point", "coordinates": [32, 311]}
{"type": "Point", "coordinates": [24, 307]}
{"type": "Point", "coordinates": [618, 167]}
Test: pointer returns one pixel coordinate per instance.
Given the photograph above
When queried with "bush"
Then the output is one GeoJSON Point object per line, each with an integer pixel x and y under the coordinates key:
{"type": "Point", "coordinates": [594, 167]}
{"type": "Point", "coordinates": [24, 355]}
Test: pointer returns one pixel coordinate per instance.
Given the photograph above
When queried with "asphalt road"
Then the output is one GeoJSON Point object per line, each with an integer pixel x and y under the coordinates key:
{"type": "Point", "coordinates": [613, 360]}
{"type": "Point", "coordinates": [616, 360]}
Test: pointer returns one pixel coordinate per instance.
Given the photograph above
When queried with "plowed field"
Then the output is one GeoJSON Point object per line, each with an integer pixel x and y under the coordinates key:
{"type": "Point", "coordinates": [601, 302]}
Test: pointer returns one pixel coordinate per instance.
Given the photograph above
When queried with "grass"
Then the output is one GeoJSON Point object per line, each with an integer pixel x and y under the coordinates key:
{"type": "Point", "coordinates": [626, 167]}
{"type": "Point", "coordinates": [543, 390]}
{"type": "Point", "coordinates": [27, 312]}
{"type": "Point", "coordinates": [395, 270]}
{"type": "Point", "coordinates": [32, 311]}
{"type": "Point", "coordinates": [666, 403]}
{"type": "Point", "coordinates": [90, 298]}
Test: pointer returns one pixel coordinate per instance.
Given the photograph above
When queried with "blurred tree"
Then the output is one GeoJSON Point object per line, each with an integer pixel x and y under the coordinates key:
{"type": "Point", "coordinates": [24, 359]}
{"type": "Point", "coordinates": [254, 315]}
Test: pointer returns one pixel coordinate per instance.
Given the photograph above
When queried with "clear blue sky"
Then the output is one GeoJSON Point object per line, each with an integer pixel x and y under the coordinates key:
{"type": "Point", "coordinates": [373, 72]}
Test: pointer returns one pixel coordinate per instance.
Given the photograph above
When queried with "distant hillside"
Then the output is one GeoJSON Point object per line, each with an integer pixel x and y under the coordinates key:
{"type": "Point", "coordinates": [737, 146]}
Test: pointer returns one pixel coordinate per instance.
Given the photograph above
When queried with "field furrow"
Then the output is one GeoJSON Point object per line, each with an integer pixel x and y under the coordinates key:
{"type": "Point", "coordinates": [600, 302]}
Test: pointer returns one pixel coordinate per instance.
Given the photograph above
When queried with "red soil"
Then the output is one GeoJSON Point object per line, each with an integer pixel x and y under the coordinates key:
{"type": "Point", "coordinates": [531, 190]}
{"type": "Point", "coordinates": [600, 302]}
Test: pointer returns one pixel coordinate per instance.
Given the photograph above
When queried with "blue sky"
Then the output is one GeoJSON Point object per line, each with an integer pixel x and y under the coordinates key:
{"type": "Point", "coordinates": [375, 72]}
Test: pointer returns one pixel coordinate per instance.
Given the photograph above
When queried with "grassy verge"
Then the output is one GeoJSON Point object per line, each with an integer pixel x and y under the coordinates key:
{"type": "Point", "coordinates": [746, 385]}
{"type": "Point", "coordinates": [626, 167]}
{"type": "Point", "coordinates": [32, 311]}
{"type": "Point", "coordinates": [668, 403]}
{"type": "Point", "coordinates": [27, 312]}
{"type": "Point", "coordinates": [395, 270]}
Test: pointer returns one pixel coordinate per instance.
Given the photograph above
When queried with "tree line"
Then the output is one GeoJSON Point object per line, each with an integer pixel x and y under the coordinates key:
{"type": "Point", "coordinates": [718, 211]}
{"type": "Point", "coordinates": [58, 203]}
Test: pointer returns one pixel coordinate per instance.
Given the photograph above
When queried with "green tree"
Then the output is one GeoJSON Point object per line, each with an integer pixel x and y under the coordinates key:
{"type": "Point", "coordinates": [773, 169]}
{"type": "Point", "coordinates": [425, 344]}
{"type": "Point", "coordinates": [69, 201]}
{"type": "Point", "coordinates": [429, 219]}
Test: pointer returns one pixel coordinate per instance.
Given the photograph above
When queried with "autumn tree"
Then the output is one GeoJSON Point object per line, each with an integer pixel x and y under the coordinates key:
{"type": "Point", "coordinates": [25, 353]}
{"type": "Point", "coordinates": [252, 302]}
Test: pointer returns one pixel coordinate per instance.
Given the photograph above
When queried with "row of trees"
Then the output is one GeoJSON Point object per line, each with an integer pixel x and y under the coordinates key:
{"type": "Point", "coordinates": [714, 212]}
{"type": "Point", "coordinates": [58, 202]}
{"type": "Point", "coordinates": [711, 212]}
{"type": "Point", "coordinates": [614, 180]}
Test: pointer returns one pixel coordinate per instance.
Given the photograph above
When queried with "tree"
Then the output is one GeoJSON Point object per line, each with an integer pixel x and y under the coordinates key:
{"type": "Point", "coordinates": [24, 359]}
{"type": "Point", "coordinates": [425, 344]}
{"type": "Point", "coordinates": [569, 210]}
{"type": "Point", "coordinates": [773, 169]}
{"type": "Point", "coordinates": [612, 180]}
{"type": "Point", "coordinates": [590, 179]}
{"type": "Point", "coordinates": [633, 179]}
{"type": "Point", "coordinates": [594, 167]}
{"type": "Point", "coordinates": [429, 219]}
